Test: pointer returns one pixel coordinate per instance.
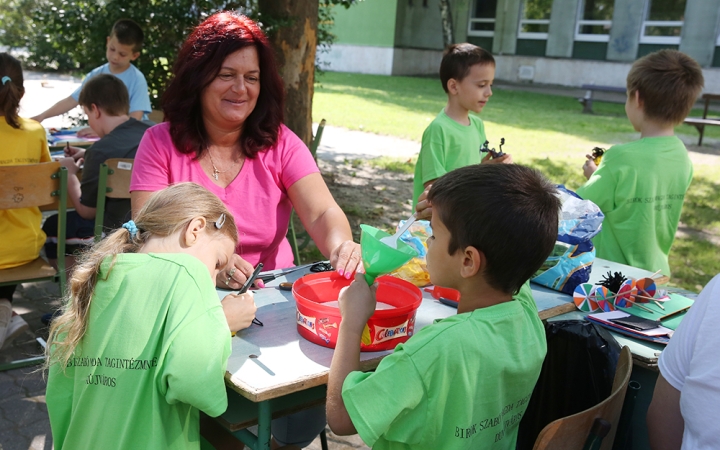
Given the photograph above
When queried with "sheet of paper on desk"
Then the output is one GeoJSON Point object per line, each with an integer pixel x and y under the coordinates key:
{"type": "Point", "coordinates": [605, 317]}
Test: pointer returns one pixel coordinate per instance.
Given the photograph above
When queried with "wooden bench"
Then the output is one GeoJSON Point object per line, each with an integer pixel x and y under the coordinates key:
{"type": "Point", "coordinates": [587, 100]}
{"type": "Point", "coordinates": [701, 122]}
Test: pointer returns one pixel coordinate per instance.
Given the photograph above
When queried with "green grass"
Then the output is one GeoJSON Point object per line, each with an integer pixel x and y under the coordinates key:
{"type": "Point", "coordinates": [406, 166]}
{"type": "Point", "coordinates": [544, 131]}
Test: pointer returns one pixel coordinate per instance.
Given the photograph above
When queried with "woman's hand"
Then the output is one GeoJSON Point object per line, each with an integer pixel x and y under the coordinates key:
{"type": "Point", "coordinates": [236, 274]}
{"type": "Point", "coordinates": [589, 167]}
{"type": "Point", "coordinates": [239, 310]}
{"type": "Point", "coordinates": [346, 259]}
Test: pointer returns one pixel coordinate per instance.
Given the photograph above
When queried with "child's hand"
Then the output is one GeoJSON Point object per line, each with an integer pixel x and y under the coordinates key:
{"type": "Point", "coordinates": [239, 310]}
{"type": "Point", "coordinates": [589, 167]}
{"type": "Point", "coordinates": [357, 304]}
{"type": "Point", "coordinates": [74, 152]}
{"type": "Point", "coordinates": [86, 132]}
{"type": "Point", "coordinates": [423, 209]}
{"type": "Point", "coordinates": [504, 159]}
{"type": "Point", "coordinates": [71, 165]}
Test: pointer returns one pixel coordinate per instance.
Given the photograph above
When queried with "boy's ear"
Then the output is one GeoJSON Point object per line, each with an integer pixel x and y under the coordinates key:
{"type": "Point", "coordinates": [192, 232]}
{"type": "Point", "coordinates": [93, 110]}
{"type": "Point", "coordinates": [638, 99]}
{"type": "Point", "coordinates": [135, 56]}
{"type": "Point", "coordinates": [473, 262]}
{"type": "Point", "coordinates": [452, 86]}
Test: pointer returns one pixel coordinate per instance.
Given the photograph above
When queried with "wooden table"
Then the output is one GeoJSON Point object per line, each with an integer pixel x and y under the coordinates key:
{"type": "Point", "coordinates": [272, 371]}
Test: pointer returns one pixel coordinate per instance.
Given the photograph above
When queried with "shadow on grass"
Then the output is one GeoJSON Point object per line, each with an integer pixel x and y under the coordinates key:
{"type": "Point", "coordinates": [701, 209]}
{"type": "Point", "coordinates": [559, 172]}
{"type": "Point", "coordinates": [693, 263]}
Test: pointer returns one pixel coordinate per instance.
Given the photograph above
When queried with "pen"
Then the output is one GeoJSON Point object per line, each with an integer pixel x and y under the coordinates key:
{"type": "Point", "coordinates": [249, 283]}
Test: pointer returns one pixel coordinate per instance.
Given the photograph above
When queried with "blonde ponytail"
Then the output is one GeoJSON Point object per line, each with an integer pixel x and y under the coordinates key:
{"type": "Point", "coordinates": [165, 213]}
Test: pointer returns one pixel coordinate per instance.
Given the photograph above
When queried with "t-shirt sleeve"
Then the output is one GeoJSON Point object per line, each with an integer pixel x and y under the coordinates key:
{"type": "Point", "coordinates": [600, 188]}
{"type": "Point", "coordinates": [92, 73]}
{"type": "Point", "coordinates": [674, 362]}
{"type": "Point", "coordinates": [151, 170]}
{"type": "Point", "coordinates": [297, 161]}
{"type": "Point", "coordinates": [365, 396]}
{"type": "Point", "coordinates": [44, 150]}
{"type": "Point", "coordinates": [196, 360]}
{"type": "Point", "coordinates": [432, 153]}
{"type": "Point", "coordinates": [140, 96]}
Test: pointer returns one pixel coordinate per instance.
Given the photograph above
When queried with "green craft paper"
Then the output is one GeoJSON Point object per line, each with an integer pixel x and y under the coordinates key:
{"type": "Point", "coordinates": [676, 302]}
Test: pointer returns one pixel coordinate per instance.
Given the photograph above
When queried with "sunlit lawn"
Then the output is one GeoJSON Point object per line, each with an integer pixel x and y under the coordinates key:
{"type": "Point", "coordinates": [545, 131]}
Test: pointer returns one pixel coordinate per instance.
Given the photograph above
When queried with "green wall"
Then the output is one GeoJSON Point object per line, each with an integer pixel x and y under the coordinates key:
{"type": "Point", "coordinates": [646, 49]}
{"type": "Point", "coordinates": [370, 22]}
{"type": "Point", "coordinates": [589, 50]}
{"type": "Point", "coordinates": [530, 47]}
{"type": "Point", "coordinates": [481, 41]}
{"type": "Point", "coordinates": [716, 58]}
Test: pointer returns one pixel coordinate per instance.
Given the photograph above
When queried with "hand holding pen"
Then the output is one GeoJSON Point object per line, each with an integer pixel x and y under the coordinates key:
{"type": "Point", "coordinates": [249, 283]}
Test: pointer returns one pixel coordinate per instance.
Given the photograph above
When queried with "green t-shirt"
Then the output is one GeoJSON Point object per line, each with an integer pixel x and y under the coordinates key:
{"type": "Point", "coordinates": [640, 187]}
{"type": "Point", "coordinates": [446, 146]}
{"type": "Point", "coordinates": [154, 353]}
{"type": "Point", "coordinates": [461, 383]}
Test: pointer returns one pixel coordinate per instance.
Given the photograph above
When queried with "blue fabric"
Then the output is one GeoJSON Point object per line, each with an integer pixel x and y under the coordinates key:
{"type": "Point", "coordinates": [5, 79]}
{"type": "Point", "coordinates": [134, 81]}
{"type": "Point", "coordinates": [130, 226]}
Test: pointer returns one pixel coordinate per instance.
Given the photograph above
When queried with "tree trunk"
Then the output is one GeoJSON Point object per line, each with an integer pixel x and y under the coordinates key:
{"type": "Point", "coordinates": [447, 24]}
{"type": "Point", "coordinates": [294, 42]}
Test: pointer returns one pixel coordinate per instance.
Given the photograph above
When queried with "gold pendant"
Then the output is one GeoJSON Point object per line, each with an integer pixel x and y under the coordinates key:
{"type": "Point", "coordinates": [215, 174]}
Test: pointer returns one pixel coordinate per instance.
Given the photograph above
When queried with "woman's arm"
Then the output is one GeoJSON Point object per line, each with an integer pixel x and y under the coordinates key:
{"type": "Point", "coordinates": [137, 201]}
{"type": "Point", "coordinates": [325, 222]}
{"type": "Point", "coordinates": [665, 423]}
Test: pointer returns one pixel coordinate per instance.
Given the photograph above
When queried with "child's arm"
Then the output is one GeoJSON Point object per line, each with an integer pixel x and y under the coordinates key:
{"type": "Point", "coordinates": [73, 188]}
{"type": "Point", "coordinates": [589, 167]}
{"type": "Point", "coordinates": [58, 108]}
{"type": "Point", "coordinates": [137, 115]}
{"type": "Point", "coordinates": [357, 304]}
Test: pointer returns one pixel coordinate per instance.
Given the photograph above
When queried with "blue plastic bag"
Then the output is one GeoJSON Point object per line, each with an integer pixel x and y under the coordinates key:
{"type": "Point", "coordinates": [570, 263]}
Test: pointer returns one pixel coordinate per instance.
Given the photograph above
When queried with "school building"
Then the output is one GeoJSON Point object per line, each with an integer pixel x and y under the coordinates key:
{"type": "Point", "coordinates": [562, 42]}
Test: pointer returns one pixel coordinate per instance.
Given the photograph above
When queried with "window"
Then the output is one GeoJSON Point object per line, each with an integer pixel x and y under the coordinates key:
{"type": "Point", "coordinates": [594, 20]}
{"type": "Point", "coordinates": [482, 18]}
{"type": "Point", "coordinates": [535, 19]}
{"type": "Point", "coordinates": [663, 22]}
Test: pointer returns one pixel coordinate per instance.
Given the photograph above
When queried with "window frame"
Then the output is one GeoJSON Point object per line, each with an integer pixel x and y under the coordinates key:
{"type": "Point", "coordinates": [541, 36]}
{"type": "Point", "coordinates": [580, 22]}
{"type": "Point", "coordinates": [472, 20]}
{"type": "Point", "coordinates": [663, 40]}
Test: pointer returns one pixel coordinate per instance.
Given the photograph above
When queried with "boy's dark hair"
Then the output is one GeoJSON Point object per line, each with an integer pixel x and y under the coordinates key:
{"type": "Point", "coordinates": [128, 32]}
{"type": "Point", "coordinates": [669, 82]}
{"type": "Point", "coordinates": [457, 60]}
{"type": "Point", "coordinates": [507, 211]}
{"type": "Point", "coordinates": [108, 93]}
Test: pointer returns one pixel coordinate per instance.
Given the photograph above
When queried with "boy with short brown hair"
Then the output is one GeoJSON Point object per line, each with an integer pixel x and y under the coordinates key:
{"type": "Point", "coordinates": [640, 186]}
{"type": "Point", "coordinates": [122, 47]}
{"type": "Point", "coordinates": [463, 382]}
{"type": "Point", "coordinates": [454, 138]}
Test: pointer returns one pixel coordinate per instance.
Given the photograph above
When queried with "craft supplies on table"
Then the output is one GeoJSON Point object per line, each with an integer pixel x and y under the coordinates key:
{"type": "Point", "coordinates": [659, 334]}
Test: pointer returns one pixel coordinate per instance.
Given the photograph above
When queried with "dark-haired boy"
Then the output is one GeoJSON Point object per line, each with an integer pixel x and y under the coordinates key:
{"type": "Point", "coordinates": [454, 138]}
{"type": "Point", "coordinates": [122, 47]}
{"type": "Point", "coordinates": [640, 186]}
{"type": "Point", "coordinates": [463, 382]}
{"type": "Point", "coordinates": [105, 101]}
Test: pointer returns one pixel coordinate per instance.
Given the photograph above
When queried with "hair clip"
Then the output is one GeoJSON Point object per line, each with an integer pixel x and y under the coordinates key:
{"type": "Point", "coordinates": [5, 79]}
{"type": "Point", "coordinates": [131, 227]}
{"type": "Point", "coordinates": [220, 222]}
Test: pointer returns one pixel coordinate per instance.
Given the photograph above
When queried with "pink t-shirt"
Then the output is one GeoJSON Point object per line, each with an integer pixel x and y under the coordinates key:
{"type": "Point", "coordinates": [257, 197]}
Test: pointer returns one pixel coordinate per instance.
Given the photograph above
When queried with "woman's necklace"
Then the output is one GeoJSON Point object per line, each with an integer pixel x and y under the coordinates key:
{"type": "Point", "coordinates": [216, 172]}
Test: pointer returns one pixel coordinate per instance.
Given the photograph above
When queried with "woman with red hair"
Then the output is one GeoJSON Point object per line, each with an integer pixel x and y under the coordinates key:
{"type": "Point", "coordinates": [224, 130]}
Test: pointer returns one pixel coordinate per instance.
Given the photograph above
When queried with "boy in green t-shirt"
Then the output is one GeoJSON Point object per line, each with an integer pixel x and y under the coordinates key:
{"type": "Point", "coordinates": [454, 138]}
{"type": "Point", "coordinates": [640, 186]}
{"type": "Point", "coordinates": [465, 381]}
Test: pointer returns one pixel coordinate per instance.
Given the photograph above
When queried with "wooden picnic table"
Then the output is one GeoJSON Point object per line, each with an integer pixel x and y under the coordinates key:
{"type": "Point", "coordinates": [272, 371]}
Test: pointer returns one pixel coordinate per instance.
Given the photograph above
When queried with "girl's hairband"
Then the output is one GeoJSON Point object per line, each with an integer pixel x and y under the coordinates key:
{"type": "Point", "coordinates": [5, 79]}
{"type": "Point", "coordinates": [131, 227]}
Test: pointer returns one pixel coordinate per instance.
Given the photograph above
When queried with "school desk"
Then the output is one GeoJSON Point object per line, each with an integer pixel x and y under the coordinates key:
{"type": "Point", "coordinates": [272, 371]}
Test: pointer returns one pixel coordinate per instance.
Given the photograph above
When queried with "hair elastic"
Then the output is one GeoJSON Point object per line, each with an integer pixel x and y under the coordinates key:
{"type": "Point", "coordinates": [132, 229]}
{"type": "Point", "coordinates": [5, 79]}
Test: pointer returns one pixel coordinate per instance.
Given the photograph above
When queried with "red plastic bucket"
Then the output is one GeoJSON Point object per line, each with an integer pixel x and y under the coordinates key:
{"type": "Point", "coordinates": [386, 328]}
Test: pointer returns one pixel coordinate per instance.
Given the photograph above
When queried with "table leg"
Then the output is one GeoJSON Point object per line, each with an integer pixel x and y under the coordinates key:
{"type": "Point", "coordinates": [264, 420]}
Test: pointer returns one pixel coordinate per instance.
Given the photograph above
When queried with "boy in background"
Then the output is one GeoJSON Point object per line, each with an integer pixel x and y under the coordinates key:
{"type": "Point", "coordinates": [640, 186]}
{"type": "Point", "coordinates": [104, 99]}
{"type": "Point", "coordinates": [454, 138]}
{"type": "Point", "coordinates": [122, 47]}
{"type": "Point", "coordinates": [465, 381]}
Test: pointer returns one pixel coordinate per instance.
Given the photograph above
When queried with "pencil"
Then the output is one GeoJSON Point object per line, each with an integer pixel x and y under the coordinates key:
{"type": "Point", "coordinates": [674, 313]}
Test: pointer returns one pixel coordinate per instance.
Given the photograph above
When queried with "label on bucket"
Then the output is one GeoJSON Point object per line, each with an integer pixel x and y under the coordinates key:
{"type": "Point", "coordinates": [385, 334]}
{"type": "Point", "coordinates": [306, 322]}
